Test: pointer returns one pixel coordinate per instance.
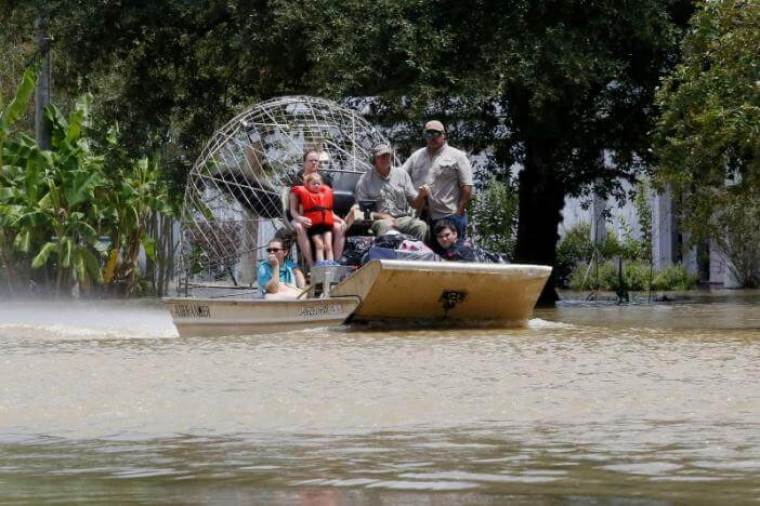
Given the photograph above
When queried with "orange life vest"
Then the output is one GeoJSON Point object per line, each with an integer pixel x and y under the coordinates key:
{"type": "Point", "coordinates": [318, 207]}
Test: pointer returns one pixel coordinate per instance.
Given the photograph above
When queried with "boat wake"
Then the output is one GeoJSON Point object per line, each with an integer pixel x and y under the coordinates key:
{"type": "Point", "coordinates": [45, 320]}
{"type": "Point", "coordinates": [25, 331]}
{"type": "Point", "coordinates": [541, 324]}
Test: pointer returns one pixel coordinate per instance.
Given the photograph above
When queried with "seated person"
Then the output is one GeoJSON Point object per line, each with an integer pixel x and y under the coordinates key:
{"type": "Point", "coordinates": [450, 246]}
{"type": "Point", "coordinates": [311, 161]}
{"type": "Point", "coordinates": [289, 283]}
{"type": "Point", "coordinates": [315, 212]}
{"type": "Point", "coordinates": [395, 196]}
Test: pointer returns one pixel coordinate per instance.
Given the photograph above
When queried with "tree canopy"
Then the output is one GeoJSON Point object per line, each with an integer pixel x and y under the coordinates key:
{"type": "Point", "coordinates": [709, 130]}
{"type": "Point", "coordinates": [708, 136]}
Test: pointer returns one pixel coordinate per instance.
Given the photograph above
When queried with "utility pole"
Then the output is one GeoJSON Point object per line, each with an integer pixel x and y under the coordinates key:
{"type": "Point", "coordinates": [42, 94]}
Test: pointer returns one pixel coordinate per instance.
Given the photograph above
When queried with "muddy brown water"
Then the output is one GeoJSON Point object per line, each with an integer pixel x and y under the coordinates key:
{"type": "Point", "coordinates": [592, 403]}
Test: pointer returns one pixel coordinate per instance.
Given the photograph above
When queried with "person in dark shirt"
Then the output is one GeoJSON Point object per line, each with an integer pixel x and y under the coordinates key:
{"type": "Point", "coordinates": [450, 246]}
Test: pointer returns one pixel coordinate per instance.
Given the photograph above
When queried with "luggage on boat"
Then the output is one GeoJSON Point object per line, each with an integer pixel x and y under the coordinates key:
{"type": "Point", "coordinates": [379, 253]}
{"type": "Point", "coordinates": [392, 239]}
{"type": "Point", "coordinates": [416, 250]}
{"type": "Point", "coordinates": [484, 256]}
{"type": "Point", "coordinates": [355, 249]}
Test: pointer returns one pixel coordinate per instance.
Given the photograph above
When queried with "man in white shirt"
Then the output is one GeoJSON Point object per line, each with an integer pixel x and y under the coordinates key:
{"type": "Point", "coordinates": [443, 175]}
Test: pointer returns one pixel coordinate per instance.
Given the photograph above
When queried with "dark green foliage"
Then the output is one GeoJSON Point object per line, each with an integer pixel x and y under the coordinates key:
{"type": "Point", "coordinates": [493, 216]}
{"type": "Point", "coordinates": [709, 130]}
{"type": "Point", "coordinates": [674, 278]}
{"type": "Point", "coordinates": [574, 250]}
{"type": "Point", "coordinates": [58, 205]}
{"type": "Point", "coordinates": [708, 136]}
{"type": "Point", "coordinates": [637, 276]}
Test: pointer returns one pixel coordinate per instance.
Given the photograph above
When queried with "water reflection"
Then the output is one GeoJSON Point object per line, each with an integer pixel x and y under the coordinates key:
{"type": "Point", "coordinates": [590, 404]}
{"type": "Point", "coordinates": [508, 460]}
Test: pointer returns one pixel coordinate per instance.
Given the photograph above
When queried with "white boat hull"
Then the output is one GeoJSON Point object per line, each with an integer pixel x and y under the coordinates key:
{"type": "Point", "coordinates": [220, 317]}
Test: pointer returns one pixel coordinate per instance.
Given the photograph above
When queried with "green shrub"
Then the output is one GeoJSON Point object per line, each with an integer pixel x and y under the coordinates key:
{"type": "Point", "coordinates": [674, 278]}
{"type": "Point", "coordinates": [601, 277]}
{"type": "Point", "coordinates": [637, 276]}
{"type": "Point", "coordinates": [574, 250]}
{"type": "Point", "coordinates": [576, 245]}
{"type": "Point", "coordinates": [494, 210]}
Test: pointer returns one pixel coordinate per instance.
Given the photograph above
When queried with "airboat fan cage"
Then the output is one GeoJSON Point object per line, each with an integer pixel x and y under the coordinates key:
{"type": "Point", "coordinates": [236, 195]}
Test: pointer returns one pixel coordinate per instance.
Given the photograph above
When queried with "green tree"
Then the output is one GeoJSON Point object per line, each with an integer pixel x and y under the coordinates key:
{"type": "Point", "coordinates": [709, 130]}
{"type": "Point", "coordinates": [10, 115]}
{"type": "Point", "coordinates": [644, 213]}
{"type": "Point", "coordinates": [59, 205]}
{"type": "Point", "coordinates": [54, 194]}
{"type": "Point", "coordinates": [135, 195]}
{"type": "Point", "coordinates": [708, 135]}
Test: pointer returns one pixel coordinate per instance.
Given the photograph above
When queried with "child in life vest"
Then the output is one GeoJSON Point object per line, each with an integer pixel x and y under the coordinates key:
{"type": "Point", "coordinates": [315, 201]}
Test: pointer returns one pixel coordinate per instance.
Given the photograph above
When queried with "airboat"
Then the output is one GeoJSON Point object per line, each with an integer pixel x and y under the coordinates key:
{"type": "Point", "coordinates": [236, 201]}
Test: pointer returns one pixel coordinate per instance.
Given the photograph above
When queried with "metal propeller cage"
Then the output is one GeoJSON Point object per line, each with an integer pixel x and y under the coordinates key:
{"type": "Point", "coordinates": [236, 195]}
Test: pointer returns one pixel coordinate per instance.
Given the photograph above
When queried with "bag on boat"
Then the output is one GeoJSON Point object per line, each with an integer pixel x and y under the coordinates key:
{"type": "Point", "coordinates": [411, 245]}
{"type": "Point", "coordinates": [392, 239]}
{"type": "Point", "coordinates": [488, 257]}
{"type": "Point", "coordinates": [355, 249]}
{"type": "Point", "coordinates": [416, 250]}
{"type": "Point", "coordinates": [379, 253]}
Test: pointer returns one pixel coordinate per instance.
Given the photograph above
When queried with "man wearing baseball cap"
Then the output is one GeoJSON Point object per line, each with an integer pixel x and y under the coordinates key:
{"type": "Point", "coordinates": [443, 176]}
{"type": "Point", "coordinates": [394, 195]}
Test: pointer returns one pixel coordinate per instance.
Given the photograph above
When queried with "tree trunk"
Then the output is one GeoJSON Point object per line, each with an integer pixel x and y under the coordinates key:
{"type": "Point", "coordinates": [171, 252]}
{"type": "Point", "coordinates": [152, 231]}
{"type": "Point", "coordinates": [131, 257]}
{"type": "Point", "coordinates": [7, 263]}
{"type": "Point", "coordinates": [165, 253]}
{"type": "Point", "coordinates": [541, 201]}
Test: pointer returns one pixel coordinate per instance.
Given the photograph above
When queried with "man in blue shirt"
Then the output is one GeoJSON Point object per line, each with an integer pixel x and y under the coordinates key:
{"type": "Point", "coordinates": [289, 283]}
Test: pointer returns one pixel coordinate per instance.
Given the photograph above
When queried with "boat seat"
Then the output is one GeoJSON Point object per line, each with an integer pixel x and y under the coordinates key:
{"type": "Point", "coordinates": [343, 185]}
{"type": "Point", "coordinates": [342, 202]}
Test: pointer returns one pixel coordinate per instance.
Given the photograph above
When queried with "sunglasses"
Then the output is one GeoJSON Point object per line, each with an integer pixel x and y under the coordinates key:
{"type": "Point", "coordinates": [432, 134]}
{"type": "Point", "coordinates": [274, 250]}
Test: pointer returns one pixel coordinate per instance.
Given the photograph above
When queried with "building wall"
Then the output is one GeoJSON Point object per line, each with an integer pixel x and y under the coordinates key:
{"type": "Point", "coordinates": [622, 220]}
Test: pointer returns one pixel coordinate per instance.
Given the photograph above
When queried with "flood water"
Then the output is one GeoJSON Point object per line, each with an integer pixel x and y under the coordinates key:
{"type": "Point", "coordinates": [591, 404]}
